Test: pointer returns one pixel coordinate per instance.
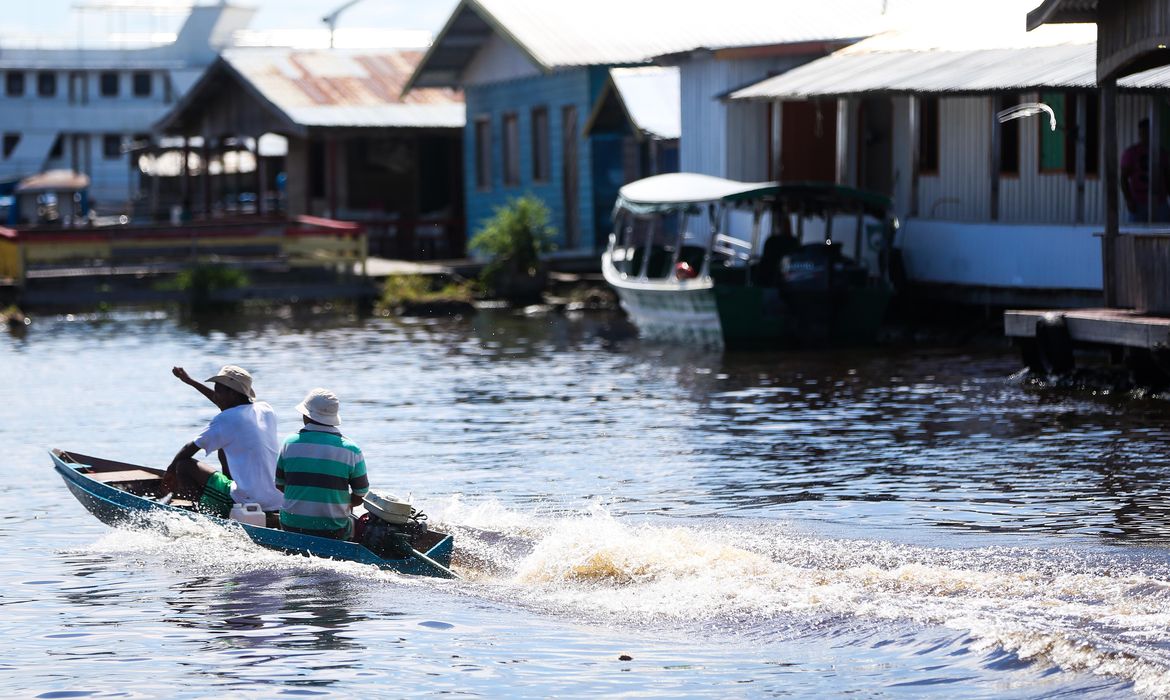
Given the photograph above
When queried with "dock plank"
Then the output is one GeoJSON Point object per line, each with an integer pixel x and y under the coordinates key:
{"type": "Point", "coordinates": [1121, 327]}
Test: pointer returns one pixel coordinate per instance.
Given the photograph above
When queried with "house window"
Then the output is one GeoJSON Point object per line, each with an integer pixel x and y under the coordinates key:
{"type": "Point", "coordinates": [1092, 133]}
{"type": "Point", "coordinates": [46, 84]}
{"type": "Point", "coordinates": [483, 153]}
{"type": "Point", "coordinates": [142, 84]}
{"type": "Point", "coordinates": [928, 136]}
{"type": "Point", "coordinates": [108, 84]}
{"type": "Point", "coordinates": [540, 150]}
{"type": "Point", "coordinates": [112, 146]}
{"type": "Point", "coordinates": [10, 143]}
{"type": "Point", "coordinates": [1009, 139]}
{"type": "Point", "coordinates": [511, 150]}
{"type": "Point", "coordinates": [14, 84]}
{"type": "Point", "coordinates": [58, 148]}
{"type": "Point", "coordinates": [1052, 147]}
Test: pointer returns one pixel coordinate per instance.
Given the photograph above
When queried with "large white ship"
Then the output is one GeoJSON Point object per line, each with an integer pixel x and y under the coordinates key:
{"type": "Point", "coordinates": [79, 108]}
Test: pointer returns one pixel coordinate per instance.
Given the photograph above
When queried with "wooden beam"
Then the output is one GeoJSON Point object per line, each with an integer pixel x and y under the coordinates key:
{"type": "Point", "coordinates": [1082, 115]}
{"type": "Point", "coordinates": [996, 137]}
{"type": "Point", "coordinates": [1110, 183]}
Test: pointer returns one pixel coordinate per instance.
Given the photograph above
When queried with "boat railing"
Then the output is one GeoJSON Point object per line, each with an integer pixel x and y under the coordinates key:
{"type": "Point", "coordinates": [732, 247]}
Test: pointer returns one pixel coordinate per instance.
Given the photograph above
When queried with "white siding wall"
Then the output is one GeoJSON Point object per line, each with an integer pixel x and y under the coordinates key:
{"type": "Point", "coordinates": [1036, 243]}
{"type": "Point", "coordinates": [718, 138]}
{"type": "Point", "coordinates": [962, 191]}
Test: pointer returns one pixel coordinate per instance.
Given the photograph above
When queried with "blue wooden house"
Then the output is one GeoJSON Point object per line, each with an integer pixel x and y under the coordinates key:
{"type": "Point", "coordinates": [537, 74]}
{"type": "Point", "coordinates": [533, 73]}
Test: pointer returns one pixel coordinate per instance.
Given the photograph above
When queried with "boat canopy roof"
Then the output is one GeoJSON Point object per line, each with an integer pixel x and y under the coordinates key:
{"type": "Point", "coordinates": [674, 191]}
{"type": "Point", "coordinates": [679, 191]}
{"type": "Point", "coordinates": [818, 198]}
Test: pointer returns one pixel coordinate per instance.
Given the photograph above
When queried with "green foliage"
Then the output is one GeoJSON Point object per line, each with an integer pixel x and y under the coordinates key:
{"type": "Point", "coordinates": [202, 282]}
{"type": "Point", "coordinates": [515, 237]}
{"type": "Point", "coordinates": [405, 289]}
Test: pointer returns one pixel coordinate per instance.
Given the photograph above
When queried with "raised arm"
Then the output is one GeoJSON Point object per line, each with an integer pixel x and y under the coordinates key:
{"type": "Point", "coordinates": [199, 386]}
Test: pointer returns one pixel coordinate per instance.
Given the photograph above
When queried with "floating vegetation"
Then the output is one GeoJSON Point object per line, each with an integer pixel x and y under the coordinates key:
{"type": "Point", "coordinates": [420, 295]}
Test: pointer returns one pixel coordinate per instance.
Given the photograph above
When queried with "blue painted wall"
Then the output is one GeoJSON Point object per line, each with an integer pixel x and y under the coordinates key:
{"type": "Point", "coordinates": [577, 86]}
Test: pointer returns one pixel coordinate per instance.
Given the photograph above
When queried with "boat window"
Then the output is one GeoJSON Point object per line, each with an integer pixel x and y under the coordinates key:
{"type": "Point", "coordinates": [142, 84]}
{"type": "Point", "coordinates": [112, 146]}
{"type": "Point", "coordinates": [46, 84]}
{"type": "Point", "coordinates": [108, 84]}
{"type": "Point", "coordinates": [10, 143]}
{"type": "Point", "coordinates": [14, 84]}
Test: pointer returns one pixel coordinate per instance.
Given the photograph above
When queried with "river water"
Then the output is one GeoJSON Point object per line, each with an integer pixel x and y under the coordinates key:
{"type": "Point", "coordinates": [629, 519]}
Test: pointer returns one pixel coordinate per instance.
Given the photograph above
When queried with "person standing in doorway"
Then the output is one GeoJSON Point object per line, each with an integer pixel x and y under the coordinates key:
{"type": "Point", "coordinates": [1135, 180]}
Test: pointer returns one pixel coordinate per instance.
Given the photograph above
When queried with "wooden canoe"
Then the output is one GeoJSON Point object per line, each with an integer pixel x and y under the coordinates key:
{"type": "Point", "coordinates": [119, 494]}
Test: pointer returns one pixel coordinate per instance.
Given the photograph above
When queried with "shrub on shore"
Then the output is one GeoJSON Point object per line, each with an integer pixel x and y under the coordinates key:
{"type": "Point", "coordinates": [515, 238]}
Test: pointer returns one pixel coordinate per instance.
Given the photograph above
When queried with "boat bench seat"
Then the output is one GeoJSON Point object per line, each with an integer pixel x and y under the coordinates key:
{"type": "Point", "coordinates": [124, 475]}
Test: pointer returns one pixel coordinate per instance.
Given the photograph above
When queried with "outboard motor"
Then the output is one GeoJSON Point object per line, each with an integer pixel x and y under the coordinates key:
{"type": "Point", "coordinates": [390, 526]}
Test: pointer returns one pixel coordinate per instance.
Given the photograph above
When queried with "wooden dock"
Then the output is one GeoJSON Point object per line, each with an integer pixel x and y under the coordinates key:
{"type": "Point", "coordinates": [1106, 327]}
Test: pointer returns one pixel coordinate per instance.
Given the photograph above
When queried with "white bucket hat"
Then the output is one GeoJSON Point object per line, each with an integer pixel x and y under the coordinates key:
{"type": "Point", "coordinates": [236, 378]}
{"type": "Point", "coordinates": [322, 406]}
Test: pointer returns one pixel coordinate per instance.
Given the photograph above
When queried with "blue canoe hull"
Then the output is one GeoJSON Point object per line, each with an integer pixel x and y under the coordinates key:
{"type": "Point", "coordinates": [116, 507]}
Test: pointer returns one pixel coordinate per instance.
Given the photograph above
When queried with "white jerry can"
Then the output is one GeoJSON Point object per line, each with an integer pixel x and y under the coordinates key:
{"type": "Point", "coordinates": [250, 513]}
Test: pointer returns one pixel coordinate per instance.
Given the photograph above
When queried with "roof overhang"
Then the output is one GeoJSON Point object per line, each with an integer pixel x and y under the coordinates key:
{"type": "Point", "coordinates": [467, 29]}
{"type": "Point", "coordinates": [208, 83]}
{"type": "Point", "coordinates": [1063, 12]}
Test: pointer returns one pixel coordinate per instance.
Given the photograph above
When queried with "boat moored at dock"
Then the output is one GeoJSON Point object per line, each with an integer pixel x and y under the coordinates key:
{"type": "Point", "coordinates": [704, 260]}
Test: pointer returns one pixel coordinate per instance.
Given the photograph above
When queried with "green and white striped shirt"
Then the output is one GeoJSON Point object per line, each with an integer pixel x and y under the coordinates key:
{"type": "Point", "coordinates": [318, 469]}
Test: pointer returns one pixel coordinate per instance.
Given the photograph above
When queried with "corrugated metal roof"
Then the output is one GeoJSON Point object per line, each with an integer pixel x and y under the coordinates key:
{"type": "Point", "coordinates": [613, 32]}
{"type": "Point", "coordinates": [959, 58]}
{"type": "Point", "coordinates": [651, 98]}
{"type": "Point", "coordinates": [345, 87]}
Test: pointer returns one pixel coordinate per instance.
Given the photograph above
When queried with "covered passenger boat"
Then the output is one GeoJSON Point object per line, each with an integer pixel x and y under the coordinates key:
{"type": "Point", "coordinates": [122, 494]}
{"type": "Point", "coordinates": [704, 260]}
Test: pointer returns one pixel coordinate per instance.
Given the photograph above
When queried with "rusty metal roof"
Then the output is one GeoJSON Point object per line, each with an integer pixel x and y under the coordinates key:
{"type": "Point", "coordinates": [340, 87]}
{"type": "Point", "coordinates": [935, 60]}
{"type": "Point", "coordinates": [558, 34]}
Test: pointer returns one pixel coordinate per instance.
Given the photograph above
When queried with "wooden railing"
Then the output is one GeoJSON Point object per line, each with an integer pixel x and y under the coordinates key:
{"type": "Point", "coordinates": [303, 242]}
{"type": "Point", "coordinates": [1142, 271]}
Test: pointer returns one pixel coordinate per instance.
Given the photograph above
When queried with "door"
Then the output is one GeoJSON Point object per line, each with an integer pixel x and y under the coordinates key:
{"type": "Point", "coordinates": [875, 146]}
{"type": "Point", "coordinates": [808, 142]}
{"type": "Point", "coordinates": [570, 175]}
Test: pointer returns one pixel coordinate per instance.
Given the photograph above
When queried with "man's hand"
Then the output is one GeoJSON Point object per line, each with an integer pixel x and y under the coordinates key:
{"type": "Point", "coordinates": [181, 374]}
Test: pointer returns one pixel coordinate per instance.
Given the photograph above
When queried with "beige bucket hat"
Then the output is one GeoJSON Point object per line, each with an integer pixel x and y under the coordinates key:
{"type": "Point", "coordinates": [322, 406]}
{"type": "Point", "coordinates": [236, 378]}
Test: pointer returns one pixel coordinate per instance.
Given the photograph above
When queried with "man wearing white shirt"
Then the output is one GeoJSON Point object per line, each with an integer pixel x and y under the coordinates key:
{"type": "Point", "coordinates": [245, 435]}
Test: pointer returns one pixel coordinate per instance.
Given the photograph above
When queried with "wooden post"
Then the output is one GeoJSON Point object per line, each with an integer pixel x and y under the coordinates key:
{"type": "Point", "coordinates": [185, 178]}
{"type": "Point", "coordinates": [912, 110]}
{"type": "Point", "coordinates": [777, 127]}
{"type": "Point", "coordinates": [205, 182]}
{"type": "Point", "coordinates": [1082, 116]}
{"type": "Point", "coordinates": [261, 180]}
{"type": "Point", "coordinates": [331, 176]}
{"type": "Point", "coordinates": [1112, 220]}
{"type": "Point", "coordinates": [843, 106]}
{"type": "Point", "coordinates": [1151, 160]}
{"type": "Point", "coordinates": [996, 139]}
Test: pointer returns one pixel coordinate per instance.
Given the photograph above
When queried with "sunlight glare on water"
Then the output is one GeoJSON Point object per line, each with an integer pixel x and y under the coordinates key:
{"type": "Point", "coordinates": [883, 522]}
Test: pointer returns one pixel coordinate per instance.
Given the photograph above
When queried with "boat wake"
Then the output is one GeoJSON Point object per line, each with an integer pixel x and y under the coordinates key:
{"type": "Point", "coordinates": [1094, 613]}
{"type": "Point", "coordinates": [1097, 613]}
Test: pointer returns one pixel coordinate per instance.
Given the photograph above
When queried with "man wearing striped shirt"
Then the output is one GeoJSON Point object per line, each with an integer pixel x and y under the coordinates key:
{"type": "Point", "coordinates": [321, 473]}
